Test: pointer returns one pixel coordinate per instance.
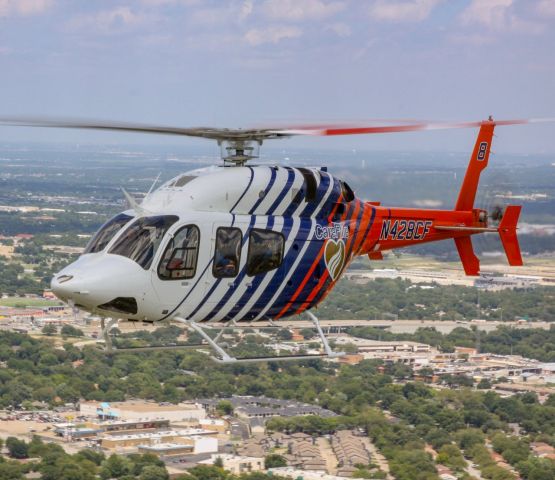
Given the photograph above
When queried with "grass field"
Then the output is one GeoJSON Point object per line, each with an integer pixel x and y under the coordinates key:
{"type": "Point", "coordinates": [27, 302]}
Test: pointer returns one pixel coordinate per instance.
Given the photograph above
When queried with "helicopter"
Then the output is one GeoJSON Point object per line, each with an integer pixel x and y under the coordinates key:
{"type": "Point", "coordinates": [234, 244]}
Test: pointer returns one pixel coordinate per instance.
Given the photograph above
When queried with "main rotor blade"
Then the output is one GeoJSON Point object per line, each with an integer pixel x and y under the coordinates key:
{"type": "Point", "coordinates": [203, 132]}
{"type": "Point", "coordinates": [409, 126]}
{"type": "Point", "coordinates": [259, 134]}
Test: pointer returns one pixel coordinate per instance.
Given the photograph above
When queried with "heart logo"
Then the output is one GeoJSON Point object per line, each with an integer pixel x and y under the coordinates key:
{"type": "Point", "coordinates": [335, 257]}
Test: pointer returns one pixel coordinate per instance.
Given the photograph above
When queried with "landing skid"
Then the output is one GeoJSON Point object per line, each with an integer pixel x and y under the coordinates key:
{"type": "Point", "coordinates": [224, 357]}
{"type": "Point", "coordinates": [221, 356]}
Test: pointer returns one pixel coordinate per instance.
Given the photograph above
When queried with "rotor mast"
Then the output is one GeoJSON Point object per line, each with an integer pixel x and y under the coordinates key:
{"type": "Point", "coordinates": [238, 152]}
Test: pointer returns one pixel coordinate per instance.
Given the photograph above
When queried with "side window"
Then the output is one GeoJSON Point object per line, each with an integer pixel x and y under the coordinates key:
{"type": "Point", "coordinates": [228, 252]}
{"type": "Point", "coordinates": [265, 251]}
{"type": "Point", "coordinates": [180, 257]}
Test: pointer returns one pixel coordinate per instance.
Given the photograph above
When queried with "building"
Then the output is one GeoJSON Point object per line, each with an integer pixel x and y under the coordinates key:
{"type": "Point", "coordinates": [351, 359]}
{"type": "Point", "coordinates": [118, 426]}
{"type": "Point", "coordinates": [142, 410]}
{"type": "Point", "coordinates": [237, 464]}
{"type": "Point", "coordinates": [375, 346]}
{"type": "Point", "coordinates": [542, 449]}
{"type": "Point", "coordinates": [214, 424]}
{"type": "Point", "coordinates": [249, 407]}
{"type": "Point", "coordinates": [193, 444]}
{"type": "Point", "coordinates": [290, 472]}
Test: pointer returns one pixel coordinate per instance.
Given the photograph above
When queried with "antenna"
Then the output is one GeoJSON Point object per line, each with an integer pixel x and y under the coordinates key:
{"type": "Point", "coordinates": [153, 183]}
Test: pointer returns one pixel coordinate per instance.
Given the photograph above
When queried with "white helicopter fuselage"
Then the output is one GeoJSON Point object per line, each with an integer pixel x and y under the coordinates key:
{"type": "Point", "coordinates": [220, 244]}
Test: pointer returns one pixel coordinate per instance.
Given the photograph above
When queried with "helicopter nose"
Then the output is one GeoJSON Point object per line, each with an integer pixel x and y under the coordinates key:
{"type": "Point", "coordinates": [63, 292]}
{"type": "Point", "coordinates": [109, 282]}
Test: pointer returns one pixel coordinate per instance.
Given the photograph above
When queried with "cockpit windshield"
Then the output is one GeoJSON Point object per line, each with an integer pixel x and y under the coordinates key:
{"type": "Point", "coordinates": [102, 238]}
{"type": "Point", "coordinates": [142, 238]}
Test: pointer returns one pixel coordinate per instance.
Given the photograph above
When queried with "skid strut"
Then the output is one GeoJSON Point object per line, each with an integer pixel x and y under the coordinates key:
{"type": "Point", "coordinates": [106, 326]}
{"type": "Point", "coordinates": [327, 348]}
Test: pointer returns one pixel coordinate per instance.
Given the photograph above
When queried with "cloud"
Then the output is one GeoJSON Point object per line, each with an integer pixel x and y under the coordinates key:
{"type": "Point", "coordinates": [108, 21]}
{"type": "Point", "coordinates": [159, 3]}
{"type": "Point", "coordinates": [246, 9]}
{"type": "Point", "coordinates": [497, 15]}
{"type": "Point", "coordinates": [272, 34]}
{"type": "Point", "coordinates": [340, 29]}
{"type": "Point", "coordinates": [24, 7]}
{"type": "Point", "coordinates": [211, 16]}
{"type": "Point", "coordinates": [472, 39]}
{"type": "Point", "coordinates": [546, 7]}
{"type": "Point", "coordinates": [298, 10]}
{"type": "Point", "coordinates": [406, 11]}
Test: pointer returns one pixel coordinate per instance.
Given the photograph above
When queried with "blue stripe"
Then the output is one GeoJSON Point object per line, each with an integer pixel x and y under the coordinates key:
{"type": "Point", "coordinates": [276, 280]}
{"type": "Point", "coordinates": [196, 283]}
{"type": "Point", "coordinates": [237, 281]}
{"type": "Point", "coordinates": [318, 297]}
{"type": "Point", "coordinates": [211, 259]}
{"type": "Point", "coordinates": [307, 289]}
{"type": "Point", "coordinates": [279, 277]}
{"type": "Point", "coordinates": [266, 190]}
{"type": "Point", "coordinates": [290, 179]}
{"type": "Point", "coordinates": [312, 207]}
{"type": "Point", "coordinates": [370, 223]}
{"type": "Point", "coordinates": [245, 191]}
{"type": "Point", "coordinates": [298, 276]}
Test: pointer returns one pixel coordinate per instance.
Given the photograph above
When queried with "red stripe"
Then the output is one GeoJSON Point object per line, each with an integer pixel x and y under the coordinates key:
{"type": "Point", "coordinates": [324, 277]}
{"type": "Point", "coordinates": [312, 268]}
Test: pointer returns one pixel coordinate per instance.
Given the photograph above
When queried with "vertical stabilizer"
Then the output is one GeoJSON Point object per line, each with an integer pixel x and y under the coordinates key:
{"type": "Point", "coordinates": [470, 261]}
{"type": "Point", "coordinates": [478, 162]}
{"type": "Point", "coordinates": [507, 232]}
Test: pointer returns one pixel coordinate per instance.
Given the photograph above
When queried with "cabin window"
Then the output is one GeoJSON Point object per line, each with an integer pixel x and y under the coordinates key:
{"type": "Point", "coordinates": [183, 180]}
{"type": "Point", "coordinates": [347, 192]}
{"type": "Point", "coordinates": [265, 251]}
{"type": "Point", "coordinates": [228, 252]}
{"type": "Point", "coordinates": [102, 238]}
{"type": "Point", "coordinates": [180, 257]}
{"type": "Point", "coordinates": [142, 238]}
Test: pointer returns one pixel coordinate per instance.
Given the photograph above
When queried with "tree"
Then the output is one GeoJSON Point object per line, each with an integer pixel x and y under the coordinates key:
{"type": "Point", "coordinates": [17, 448]}
{"type": "Point", "coordinates": [225, 407]}
{"type": "Point", "coordinates": [274, 461]}
{"type": "Point", "coordinates": [450, 455]}
{"type": "Point", "coordinates": [469, 437]}
{"type": "Point", "coordinates": [71, 331]}
{"type": "Point", "coordinates": [67, 467]}
{"type": "Point", "coordinates": [307, 333]}
{"type": "Point", "coordinates": [208, 472]}
{"type": "Point", "coordinates": [11, 471]}
{"type": "Point", "coordinates": [115, 467]}
{"type": "Point", "coordinates": [484, 384]}
{"type": "Point", "coordinates": [92, 455]}
{"type": "Point", "coordinates": [284, 334]}
{"type": "Point", "coordinates": [49, 330]}
{"type": "Point", "coordinates": [154, 472]}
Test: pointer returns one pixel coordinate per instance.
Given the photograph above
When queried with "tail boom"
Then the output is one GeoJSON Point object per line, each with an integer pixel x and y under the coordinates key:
{"type": "Point", "coordinates": [403, 227]}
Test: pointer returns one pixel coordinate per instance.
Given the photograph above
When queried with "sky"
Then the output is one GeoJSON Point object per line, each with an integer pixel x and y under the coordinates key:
{"type": "Point", "coordinates": [242, 63]}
